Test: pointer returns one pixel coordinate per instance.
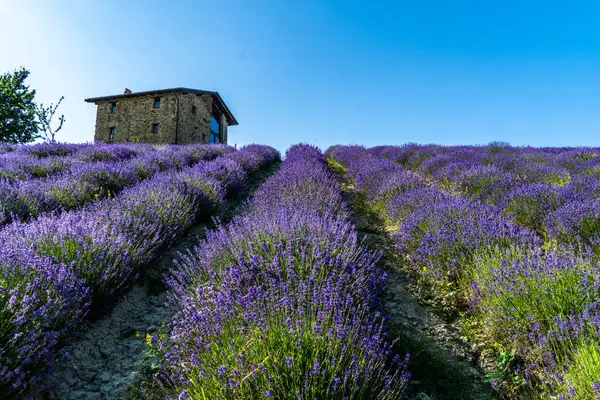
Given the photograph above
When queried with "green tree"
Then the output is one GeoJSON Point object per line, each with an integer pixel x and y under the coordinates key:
{"type": "Point", "coordinates": [17, 108]}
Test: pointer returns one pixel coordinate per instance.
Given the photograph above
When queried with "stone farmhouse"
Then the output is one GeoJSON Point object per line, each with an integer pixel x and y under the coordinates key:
{"type": "Point", "coordinates": [166, 116]}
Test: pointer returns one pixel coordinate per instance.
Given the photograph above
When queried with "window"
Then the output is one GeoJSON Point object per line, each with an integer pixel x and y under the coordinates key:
{"type": "Point", "coordinates": [155, 127]}
{"type": "Point", "coordinates": [204, 137]}
{"type": "Point", "coordinates": [193, 109]}
{"type": "Point", "coordinates": [214, 124]}
{"type": "Point", "coordinates": [113, 108]}
{"type": "Point", "coordinates": [157, 102]}
{"type": "Point", "coordinates": [214, 129]}
{"type": "Point", "coordinates": [111, 133]}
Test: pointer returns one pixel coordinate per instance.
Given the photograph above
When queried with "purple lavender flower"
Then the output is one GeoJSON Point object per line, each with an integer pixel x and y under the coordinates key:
{"type": "Point", "coordinates": [297, 266]}
{"type": "Point", "coordinates": [55, 266]}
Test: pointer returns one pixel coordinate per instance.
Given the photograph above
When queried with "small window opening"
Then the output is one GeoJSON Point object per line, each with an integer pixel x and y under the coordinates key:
{"type": "Point", "coordinates": [193, 109]}
{"type": "Point", "coordinates": [157, 102]}
{"type": "Point", "coordinates": [113, 108]}
{"type": "Point", "coordinates": [155, 127]}
{"type": "Point", "coordinates": [111, 133]}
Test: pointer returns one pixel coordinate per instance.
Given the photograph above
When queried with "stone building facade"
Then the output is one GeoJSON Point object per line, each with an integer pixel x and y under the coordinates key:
{"type": "Point", "coordinates": [174, 116]}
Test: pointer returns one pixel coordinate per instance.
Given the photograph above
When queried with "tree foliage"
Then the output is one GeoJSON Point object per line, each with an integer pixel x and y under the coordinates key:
{"type": "Point", "coordinates": [17, 108]}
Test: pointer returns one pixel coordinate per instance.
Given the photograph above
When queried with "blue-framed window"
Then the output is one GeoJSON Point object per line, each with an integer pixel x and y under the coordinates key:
{"type": "Point", "coordinates": [111, 133]}
{"type": "Point", "coordinates": [215, 128]}
{"type": "Point", "coordinates": [113, 108]}
{"type": "Point", "coordinates": [155, 127]}
{"type": "Point", "coordinates": [157, 102]}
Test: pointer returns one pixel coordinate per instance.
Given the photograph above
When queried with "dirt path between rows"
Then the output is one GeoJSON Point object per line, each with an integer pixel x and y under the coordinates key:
{"type": "Point", "coordinates": [442, 363]}
{"type": "Point", "coordinates": [108, 356]}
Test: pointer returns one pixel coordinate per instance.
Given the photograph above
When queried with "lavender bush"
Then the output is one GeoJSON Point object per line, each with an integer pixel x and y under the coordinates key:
{"type": "Point", "coordinates": [46, 149]}
{"type": "Point", "coordinates": [58, 266]}
{"type": "Point", "coordinates": [14, 166]}
{"type": "Point", "coordinates": [524, 264]}
{"type": "Point", "coordinates": [530, 205]}
{"type": "Point", "coordinates": [85, 182]}
{"type": "Point", "coordinates": [279, 303]}
{"type": "Point", "coordinates": [7, 147]}
{"type": "Point", "coordinates": [40, 301]}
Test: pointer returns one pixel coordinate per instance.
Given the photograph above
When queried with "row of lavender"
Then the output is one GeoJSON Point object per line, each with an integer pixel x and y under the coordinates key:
{"type": "Point", "coordinates": [510, 234]}
{"type": "Point", "coordinates": [55, 268]}
{"type": "Point", "coordinates": [46, 159]}
{"type": "Point", "coordinates": [44, 149]}
{"type": "Point", "coordinates": [280, 302]}
{"type": "Point", "coordinates": [84, 182]}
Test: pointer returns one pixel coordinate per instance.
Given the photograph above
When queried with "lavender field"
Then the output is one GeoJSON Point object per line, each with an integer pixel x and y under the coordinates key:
{"type": "Point", "coordinates": [508, 238]}
{"type": "Point", "coordinates": [271, 284]}
{"type": "Point", "coordinates": [80, 223]}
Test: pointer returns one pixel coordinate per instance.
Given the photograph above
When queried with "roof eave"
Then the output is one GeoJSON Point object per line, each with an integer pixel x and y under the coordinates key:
{"type": "Point", "coordinates": [231, 119]}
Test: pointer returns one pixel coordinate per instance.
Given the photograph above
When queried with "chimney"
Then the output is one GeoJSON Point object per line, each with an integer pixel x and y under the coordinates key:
{"type": "Point", "coordinates": [127, 91]}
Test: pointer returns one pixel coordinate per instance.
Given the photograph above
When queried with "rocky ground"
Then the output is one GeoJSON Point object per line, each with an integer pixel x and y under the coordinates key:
{"type": "Point", "coordinates": [108, 357]}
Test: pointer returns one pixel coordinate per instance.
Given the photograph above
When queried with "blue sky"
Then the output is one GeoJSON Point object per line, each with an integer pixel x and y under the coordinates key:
{"type": "Point", "coordinates": [327, 72]}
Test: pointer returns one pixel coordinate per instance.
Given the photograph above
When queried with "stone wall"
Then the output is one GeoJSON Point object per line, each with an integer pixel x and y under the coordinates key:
{"type": "Point", "coordinates": [194, 128]}
{"type": "Point", "coordinates": [134, 119]}
{"type": "Point", "coordinates": [177, 122]}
